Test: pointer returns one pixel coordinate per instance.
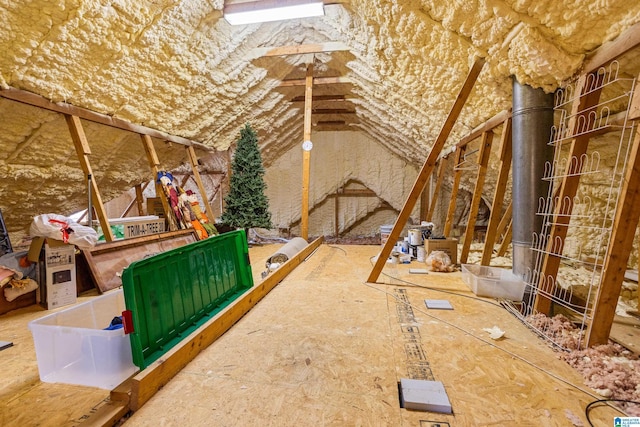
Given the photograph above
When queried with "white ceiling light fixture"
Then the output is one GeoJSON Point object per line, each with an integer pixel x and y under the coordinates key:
{"type": "Point", "coordinates": [271, 10]}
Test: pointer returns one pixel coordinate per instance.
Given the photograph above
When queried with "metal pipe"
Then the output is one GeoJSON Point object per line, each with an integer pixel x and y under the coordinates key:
{"type": "Point", "coordinates": [532, 120]}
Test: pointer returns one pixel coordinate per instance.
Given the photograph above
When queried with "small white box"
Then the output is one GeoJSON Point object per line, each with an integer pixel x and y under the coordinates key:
{"type": "Point", "coordinates": [493, 282]}
{"type": "Point", "coordinates": [72, 346]}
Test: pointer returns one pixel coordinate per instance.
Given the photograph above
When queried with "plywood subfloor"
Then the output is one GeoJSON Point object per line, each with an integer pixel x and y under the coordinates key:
{"type": "Point", "coordinates": [324, 348]}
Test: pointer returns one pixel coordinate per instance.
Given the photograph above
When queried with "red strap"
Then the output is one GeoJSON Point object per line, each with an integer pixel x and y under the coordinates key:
{"type": "Point", "coordinates": [127, 321]}
{"type": "Point", "coordinates": [64, 229]}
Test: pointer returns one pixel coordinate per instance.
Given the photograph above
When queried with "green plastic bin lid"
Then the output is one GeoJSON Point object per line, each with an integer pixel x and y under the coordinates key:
{"type": "Point", "coordinates": [171, 294]}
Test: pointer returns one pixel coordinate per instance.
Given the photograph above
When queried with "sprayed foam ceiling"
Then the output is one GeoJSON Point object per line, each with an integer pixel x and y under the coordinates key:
{"type": "Point", "coordinates": [179, 67]}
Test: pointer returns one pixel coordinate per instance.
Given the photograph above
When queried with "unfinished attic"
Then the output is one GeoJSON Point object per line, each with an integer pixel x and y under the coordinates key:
{"type": "Point", "coordinates": [388, 213]}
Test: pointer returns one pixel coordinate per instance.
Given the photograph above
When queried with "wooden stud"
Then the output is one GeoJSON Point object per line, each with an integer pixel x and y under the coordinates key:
{"type": "Point", "coordinates": [498, 195]}
{"type": "Point", "coordinates": [82, 149]}
{"type": "Point", "coordinates": [506, 240]}
{"type": "Point", "coordinates": [146, 383]}
{"type": "Point", "coordinates": [504, 221]}
{"type": "Point", "coordinates": [457, 175]}
{"type": "Point", "coordinates": [306, 154]}
{"type": "Point", "coordinates": [154, 163]}
{"type": "Point", "coordinates": [483, 161]}
{"type": "Point", "coordinates": [139, 199]}
{"type": "Point", "coordinates": [424, 199]}
{"type": "Point", "coordinates": [619, 248]}
{"type": "Point", "coordinates": [193, 159]}
{"type": "Point", "coordinates": [427, 168]}
{"type": "Point", "coordinates": [336, 208]}
{"type": "Point", "coordinates": [586, 101]}
{"type": "Point", "coordinates": [436, 191]}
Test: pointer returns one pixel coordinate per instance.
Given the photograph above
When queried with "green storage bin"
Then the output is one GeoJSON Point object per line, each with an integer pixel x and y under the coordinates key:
{"type": "Point", "coordinates": [171, 294]}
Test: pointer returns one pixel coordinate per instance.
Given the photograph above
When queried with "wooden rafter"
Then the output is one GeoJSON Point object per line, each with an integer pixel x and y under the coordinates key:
{"type": "Point", "coordinates": [193, 159]}
{"type": "Point", "coordinates": [620, 246]}
{"type": "Point", "coordinates": [436, 191]}
{"type": "Point", "coordinates": [103, 119]}
{"type": "Point", "coordinates": [457, 175]}
{"type": "Point", "coordinates": [154, 164]}
{"type": "Point", "coordinates": [483, 162]}
{"type": "Point", "coordinates": [499, 192]}
{"type": "Point", "coordinates": [427, 168]}
{"type": "Point", "coordinates": [82, 149]}
{"type": "Point", "coordinates": [585, 102]}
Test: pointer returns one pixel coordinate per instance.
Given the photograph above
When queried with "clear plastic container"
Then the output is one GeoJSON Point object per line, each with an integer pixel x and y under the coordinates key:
{"type": "Point", "coordinates": [72, 346]}
{"type": "Point", "coordinates": [493, 282]}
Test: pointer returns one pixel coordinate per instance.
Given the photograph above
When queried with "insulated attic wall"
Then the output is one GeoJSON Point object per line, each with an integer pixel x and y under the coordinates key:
{"type": "Point", "coordinates": [337, 158]}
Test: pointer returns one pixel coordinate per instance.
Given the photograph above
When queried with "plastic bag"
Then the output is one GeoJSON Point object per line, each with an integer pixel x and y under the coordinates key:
{"type": "Point", "coordinates": [439, 261]}
{"type": "Point", "coordinates": [62, 228]}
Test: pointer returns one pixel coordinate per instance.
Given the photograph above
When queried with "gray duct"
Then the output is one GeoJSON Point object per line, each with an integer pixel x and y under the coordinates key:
{"type": "Point", "coordinates": [531, 129]}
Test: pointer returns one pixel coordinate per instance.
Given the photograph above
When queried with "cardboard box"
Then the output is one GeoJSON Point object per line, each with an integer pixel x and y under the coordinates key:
{"type": "Point", "coordinates": [56, 272]}
{"type": "Point", "coordinates": [448, 246]}
{"type": "Point", "coordinates": [154, 206]}
{"type": "Point", "coordinates": [60, 271]}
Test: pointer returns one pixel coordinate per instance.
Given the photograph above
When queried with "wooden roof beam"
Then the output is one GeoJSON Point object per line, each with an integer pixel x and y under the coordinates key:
{"type": "Point", "coordinates": [321, 98]}
{"type": "Point", "coordinates": [332, 111]}
{"type": "Point", "coordinates": [301, 49]}
{"type": "Point", "coordinates": [85, 114]}
{"type": "Point", "coordinates": [316, 81]}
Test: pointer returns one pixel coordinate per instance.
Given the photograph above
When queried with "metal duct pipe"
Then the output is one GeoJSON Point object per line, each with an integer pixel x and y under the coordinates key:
{"type": "Point", "coordinates": [531, 129]}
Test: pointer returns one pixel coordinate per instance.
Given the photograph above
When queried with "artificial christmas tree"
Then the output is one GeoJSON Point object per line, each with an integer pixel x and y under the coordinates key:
{"type": "Point", "coordinates": [246, 204]}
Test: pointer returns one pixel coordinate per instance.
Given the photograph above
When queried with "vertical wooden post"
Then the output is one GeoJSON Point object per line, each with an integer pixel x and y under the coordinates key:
{"type": "Point", "coordinates": [619, 248]}
{"type": "Point", "coordinates": [457, 174]}
{"type": "Point", "coordinates": [587, 99]}
{"type": "Point", "coordinates": [436, 191]}
{"type": "Point", "coordinates": [193, 159]}
{"type": "Point", "coordinates": [483, 161]}
{"type": "Point", "coordinates": [507, 238]}
{"type": "Point", "coordinates": [139, 199]}
{"type": "Point", "coordinates": [154, 163]}
{"type": "Point", "coordinates": [424, 200]}
{"type": "Point", "coordinates": [498, 195]}
{"type": "Point", "coordinates": [335, 214]}
{"type": "Point", "coordinates": [427, 168]}
{"type": "Point", "coordinates": [82, 149]}
{"type": "Point", "coordinates": [306, 153]}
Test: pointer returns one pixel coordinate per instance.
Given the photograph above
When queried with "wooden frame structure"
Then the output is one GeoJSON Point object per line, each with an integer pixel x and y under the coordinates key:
{"type": "Point", "coordinates": [485, 132]}
{"type": "Point", "coordinates": [73, 116]}
{"type": "Point", "coordinates": [427, 168]}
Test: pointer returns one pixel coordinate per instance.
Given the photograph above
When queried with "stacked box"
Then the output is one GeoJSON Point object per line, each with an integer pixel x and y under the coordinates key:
{"type": "Point", "coordinates": [448, 246]}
